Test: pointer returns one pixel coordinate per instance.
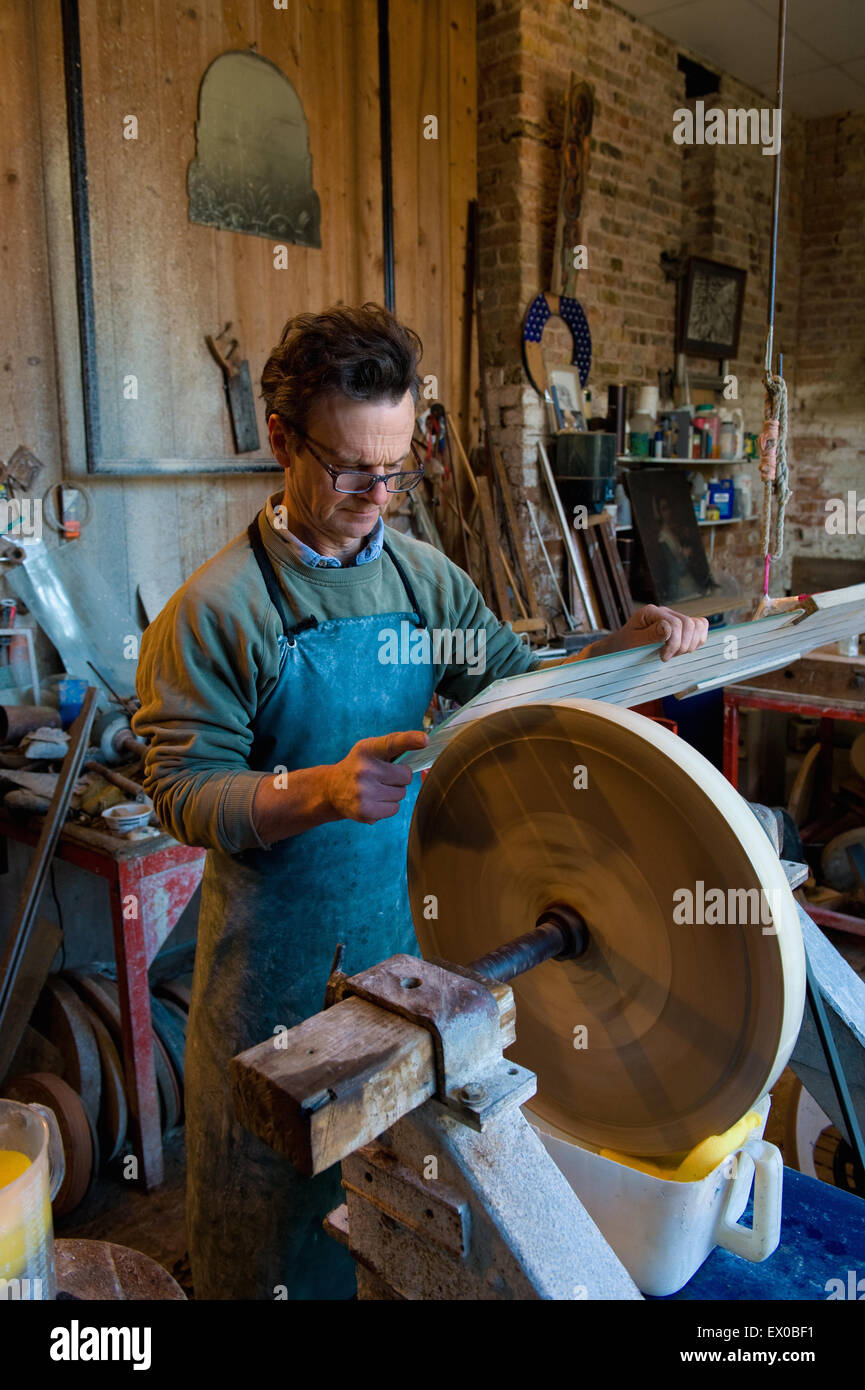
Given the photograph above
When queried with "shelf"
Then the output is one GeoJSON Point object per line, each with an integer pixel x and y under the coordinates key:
{"type": "Point", "coordinates": [722, 521]}
{"type": "Point", "coordinates": [685, 463]}
{"type": "Point", "coordinates": [714, 603]}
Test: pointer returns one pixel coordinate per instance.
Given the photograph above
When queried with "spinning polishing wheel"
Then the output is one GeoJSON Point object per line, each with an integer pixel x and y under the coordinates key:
{"type": "Point", "coordinates": [686, 1024]}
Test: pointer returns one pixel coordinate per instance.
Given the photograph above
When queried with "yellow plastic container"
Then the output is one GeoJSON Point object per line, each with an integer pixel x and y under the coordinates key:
{"type": "Point", "coordinates": [31, 1162]}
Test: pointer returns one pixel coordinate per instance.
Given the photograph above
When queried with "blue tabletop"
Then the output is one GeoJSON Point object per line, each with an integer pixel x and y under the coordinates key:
{"type": "Point", "coordinates": [822, 1238]}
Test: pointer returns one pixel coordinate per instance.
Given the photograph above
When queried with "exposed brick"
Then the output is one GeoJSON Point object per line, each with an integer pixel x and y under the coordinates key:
{"type": "Point", "coordinates": [646, 195]}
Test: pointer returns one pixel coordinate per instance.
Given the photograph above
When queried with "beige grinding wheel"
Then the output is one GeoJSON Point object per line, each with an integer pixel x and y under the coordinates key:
{"type": "Point", "coordinates": [686, 1026]}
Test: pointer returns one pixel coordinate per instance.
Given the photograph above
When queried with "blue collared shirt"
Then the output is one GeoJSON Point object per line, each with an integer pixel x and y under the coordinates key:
{"type": "Point", "coordinates": [308, 556]}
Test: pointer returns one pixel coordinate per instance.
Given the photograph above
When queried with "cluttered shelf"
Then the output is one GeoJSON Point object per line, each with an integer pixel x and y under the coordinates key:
{"type": "Point", "coordinates": [686, 462]}
{"type": "Point", "coordinates": [718, 521]}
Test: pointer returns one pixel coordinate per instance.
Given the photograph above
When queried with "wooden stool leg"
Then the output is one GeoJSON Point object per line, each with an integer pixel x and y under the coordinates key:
{"type": "Point", "coordinates": [134, 992]}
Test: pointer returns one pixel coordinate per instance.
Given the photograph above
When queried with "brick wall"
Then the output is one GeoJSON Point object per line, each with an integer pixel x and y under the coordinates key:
{"type": "Point", "coordinates": [645, 196]}
{"type": "Point", "coordinates": [829, 402]}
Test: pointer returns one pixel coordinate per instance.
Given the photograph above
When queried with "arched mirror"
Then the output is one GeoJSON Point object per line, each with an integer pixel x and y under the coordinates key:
{"type": "Point", "coordinates": [252, 170]}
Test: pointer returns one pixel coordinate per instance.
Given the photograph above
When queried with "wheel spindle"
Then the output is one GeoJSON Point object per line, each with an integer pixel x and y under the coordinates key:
{"type": "Point", "coordinates": [561, 934]}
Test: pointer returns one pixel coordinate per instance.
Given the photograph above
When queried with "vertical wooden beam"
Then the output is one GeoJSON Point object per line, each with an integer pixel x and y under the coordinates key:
{"type": "Point", "coordinates": [493, 553]}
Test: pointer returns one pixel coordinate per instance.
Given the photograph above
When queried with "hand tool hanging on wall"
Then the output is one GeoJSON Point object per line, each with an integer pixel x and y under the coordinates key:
{"type": "Point", "coordinates": [773, 439]}
{"type": "Point", "coordinates": [238, 391]}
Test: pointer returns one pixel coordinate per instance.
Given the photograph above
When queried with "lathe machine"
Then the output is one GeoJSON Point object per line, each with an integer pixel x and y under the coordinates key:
{"type": "Point", "coordinates": [609, 939]}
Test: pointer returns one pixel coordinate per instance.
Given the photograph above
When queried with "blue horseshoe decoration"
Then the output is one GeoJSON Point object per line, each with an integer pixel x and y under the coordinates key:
{"type": "Point", "coordinates": [542, 308]}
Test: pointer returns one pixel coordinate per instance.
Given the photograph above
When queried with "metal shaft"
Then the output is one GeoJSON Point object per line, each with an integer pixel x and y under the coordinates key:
{"type": "Point", "coordinates": [776, 194]}
{"type": "Point", "coordinates": [561, 934]}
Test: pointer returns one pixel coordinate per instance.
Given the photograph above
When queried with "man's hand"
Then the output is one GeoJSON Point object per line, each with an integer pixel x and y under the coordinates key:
{"type": "Point", "coordinates": [367, 785]}
{"type": "Point", "coordinates": [678, 632]}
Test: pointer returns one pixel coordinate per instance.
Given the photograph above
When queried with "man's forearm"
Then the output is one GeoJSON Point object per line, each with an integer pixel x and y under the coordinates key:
{"type": "Point", "coordinates": [288, 803]}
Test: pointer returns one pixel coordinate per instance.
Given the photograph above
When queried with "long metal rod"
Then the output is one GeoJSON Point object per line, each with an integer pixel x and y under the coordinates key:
{"type": "Point", "coordinates": [546, 554]}
{"type": "Point", "coordinates": [592, 614]}
{"type": "Point", "coordinates": [386, 153]}
{"type": "Point", "coordinates": [776, 197]}
{"type": "Point", "coordinates": [80, 215]}
{"type": "Point", "coordinates": [31, 893]}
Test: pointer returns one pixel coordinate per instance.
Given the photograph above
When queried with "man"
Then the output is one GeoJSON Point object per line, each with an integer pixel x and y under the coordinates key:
{"type": "Point", "coordinates": [273, 726]}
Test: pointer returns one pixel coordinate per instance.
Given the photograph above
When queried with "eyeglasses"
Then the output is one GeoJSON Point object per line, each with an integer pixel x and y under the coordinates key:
{"type": "Point", "coordinates": [353, 480]}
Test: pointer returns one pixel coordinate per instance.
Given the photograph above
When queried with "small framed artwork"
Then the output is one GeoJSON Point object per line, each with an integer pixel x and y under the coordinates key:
{"type": "Point", "coordinates": [669, 537]}
{"type": "Point", "coordinates": [711, 308]}
{"type": "Point", "coordinates": [569, 394]}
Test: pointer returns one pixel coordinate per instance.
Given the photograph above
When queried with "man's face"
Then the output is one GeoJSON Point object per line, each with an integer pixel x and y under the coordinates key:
{"type": "Point", "coordinates": [369, 436]}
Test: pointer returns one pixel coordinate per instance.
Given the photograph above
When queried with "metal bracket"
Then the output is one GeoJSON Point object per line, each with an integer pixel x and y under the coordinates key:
{"type": "Point", "coordinates": [797, 874]}
{"type": "Point", "coordinates": [473, 1080]}
{"type": "Point", "coordinates": [435, 1213]}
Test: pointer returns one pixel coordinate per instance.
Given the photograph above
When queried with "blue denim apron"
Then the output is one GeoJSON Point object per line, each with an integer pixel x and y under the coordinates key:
{"type": "Point", "coordinates": [270, 921]}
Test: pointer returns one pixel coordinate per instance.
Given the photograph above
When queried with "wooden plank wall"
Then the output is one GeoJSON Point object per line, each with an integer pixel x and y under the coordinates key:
{"type": "Point", "coordinates": [28, 380]}
{"type": "Point", "coordinates": [162, 282]}
{"type": "Point", "coordinates": [166, 281]}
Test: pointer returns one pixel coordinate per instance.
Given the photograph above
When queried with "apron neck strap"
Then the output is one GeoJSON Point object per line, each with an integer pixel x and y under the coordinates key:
{"type": "Point", "coordinates": [275, 594]}
{"type": "Point", "coordinates": [406, 584]}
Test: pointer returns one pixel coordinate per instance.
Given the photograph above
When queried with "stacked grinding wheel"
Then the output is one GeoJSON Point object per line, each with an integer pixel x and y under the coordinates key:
{"type": "Point", "coordinates": [77, 1027]}
{"type": "Point", "coordinates": [666, 1030]}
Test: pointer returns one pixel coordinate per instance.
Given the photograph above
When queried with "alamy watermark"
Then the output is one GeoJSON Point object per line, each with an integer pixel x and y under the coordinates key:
{"type": "Point", "coordinates": [845, 517]}
{"type": "Point", "coordinates": [439, 646]}
{"type": "Point", "coordinates": [713, 907]}
{"type": "Point", "coordinates": [853, 1289]}
{"type": "Point", "coordinates": [18, 1290]}
{"type": "Point", "coordinates": [21, 517]}
{"type": "Point", "coordinates": [735, 126]}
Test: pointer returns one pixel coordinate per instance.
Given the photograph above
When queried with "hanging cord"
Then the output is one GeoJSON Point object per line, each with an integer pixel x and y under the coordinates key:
{"type": "Point", "coordinates": [773, 440]}
{"type": "Point", "coordinates": [774, 472]}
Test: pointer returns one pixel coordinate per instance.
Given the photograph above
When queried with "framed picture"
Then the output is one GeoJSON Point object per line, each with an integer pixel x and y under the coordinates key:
{"type": "Point", "coordinates": [566, 380]}
{"type": "Point", "coordinates": [670, 539]}
{"type": "Point", "coordinates": [710, 314]}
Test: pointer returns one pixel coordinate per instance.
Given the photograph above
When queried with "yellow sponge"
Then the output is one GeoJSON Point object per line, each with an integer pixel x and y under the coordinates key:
{"type": "Point", "coordinates": [702, 1160]}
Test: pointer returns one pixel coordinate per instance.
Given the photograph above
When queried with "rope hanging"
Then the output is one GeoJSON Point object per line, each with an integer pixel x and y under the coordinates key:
{"type": "Point", "coordinates": [774, 471]}
{"type": "Point", "coordinates": [773, 440]}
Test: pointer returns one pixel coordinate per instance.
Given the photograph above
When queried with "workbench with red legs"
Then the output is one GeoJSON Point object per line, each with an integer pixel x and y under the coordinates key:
{"type": "Point", "coordinates": [150, 882]}
{"type": "Point", "coordinates": [823, 688]}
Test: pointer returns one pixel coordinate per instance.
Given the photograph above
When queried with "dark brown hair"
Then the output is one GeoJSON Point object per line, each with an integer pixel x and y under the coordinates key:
{"type": "Point", "coordinates": [362, 353]}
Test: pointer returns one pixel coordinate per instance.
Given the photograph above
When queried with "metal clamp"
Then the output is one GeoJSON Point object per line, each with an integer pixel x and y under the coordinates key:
{"type": "Point", "coordinates": [473, 1079]}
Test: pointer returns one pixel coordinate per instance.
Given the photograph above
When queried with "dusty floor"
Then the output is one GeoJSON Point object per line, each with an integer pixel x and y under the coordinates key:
{"type": "Point", "coordinates": [119, 1211]}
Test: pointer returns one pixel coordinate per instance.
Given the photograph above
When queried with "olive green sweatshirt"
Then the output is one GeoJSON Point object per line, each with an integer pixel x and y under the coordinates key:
{"type": "Point", "coordinates": [211, 658]}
